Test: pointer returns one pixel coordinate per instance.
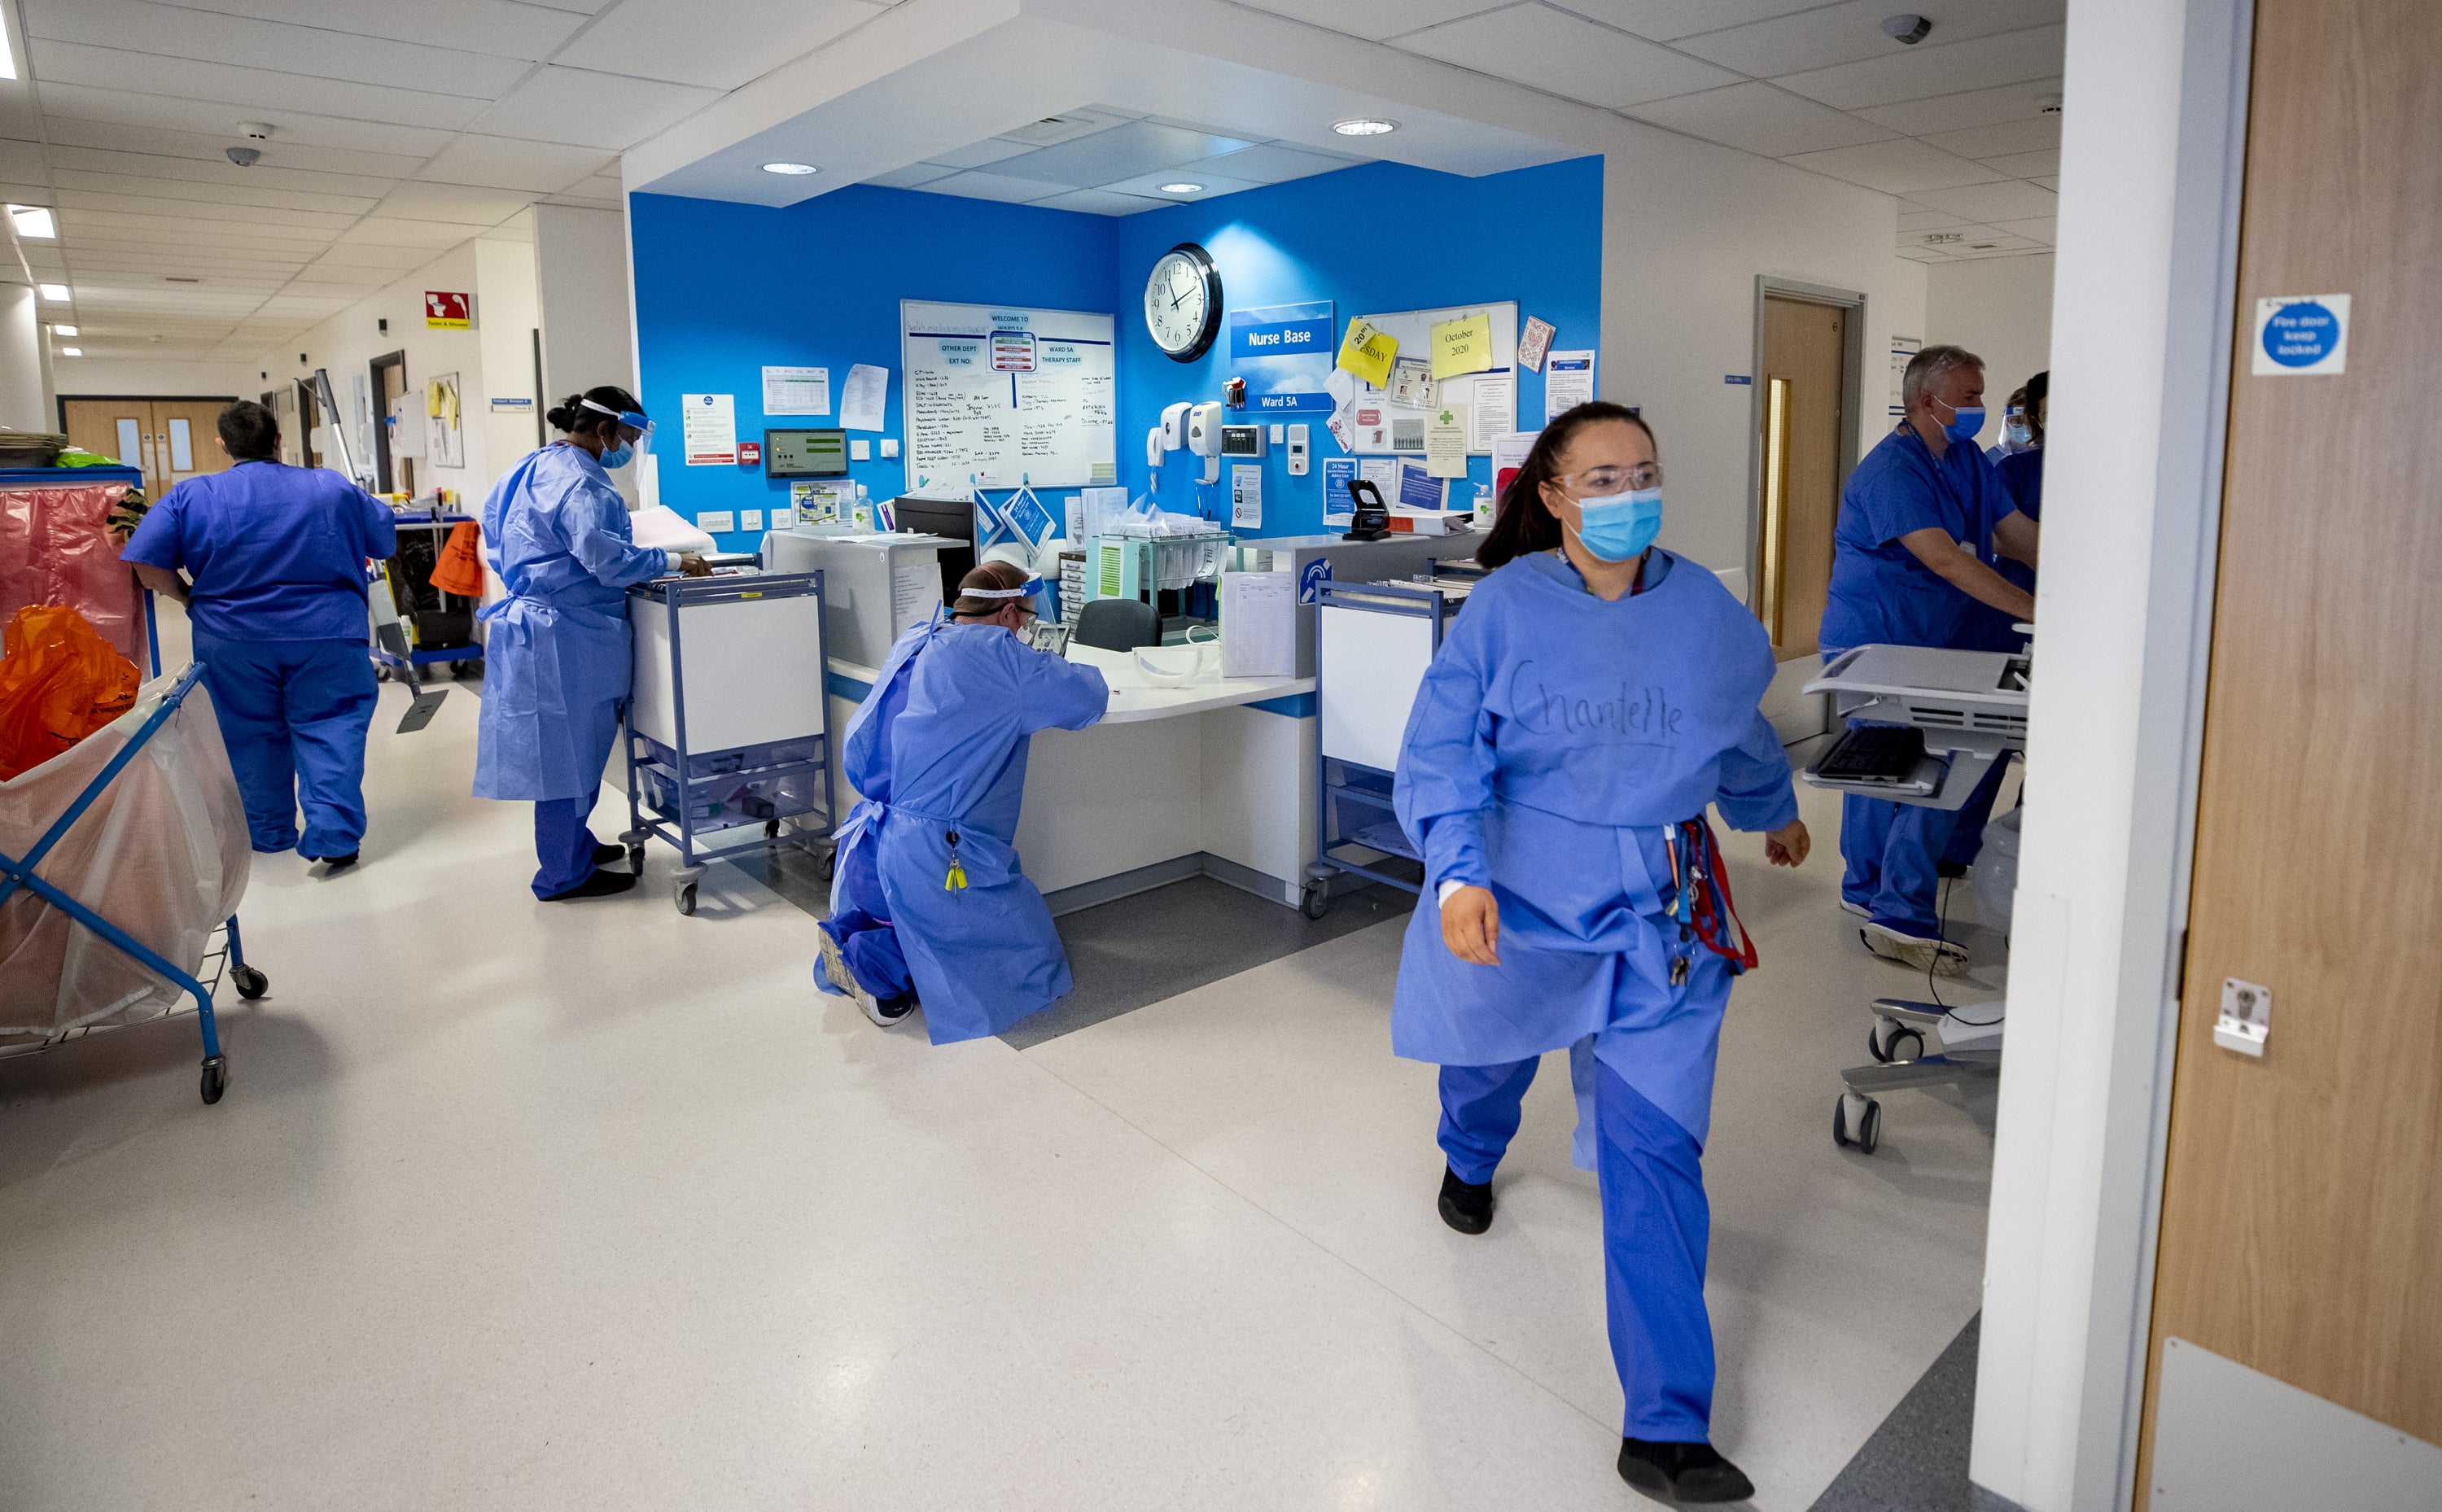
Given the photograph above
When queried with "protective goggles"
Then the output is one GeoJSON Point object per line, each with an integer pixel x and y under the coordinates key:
{"type": "Point", "coordinates": [633, 419]}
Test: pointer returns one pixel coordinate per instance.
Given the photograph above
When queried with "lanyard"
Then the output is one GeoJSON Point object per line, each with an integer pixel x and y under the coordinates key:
{"type": "Point", "coordinates": [1700, 901]}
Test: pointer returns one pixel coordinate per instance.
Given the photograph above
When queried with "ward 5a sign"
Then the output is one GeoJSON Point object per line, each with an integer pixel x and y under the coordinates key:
{"type": "Point", "coordinates": [2302, 334]}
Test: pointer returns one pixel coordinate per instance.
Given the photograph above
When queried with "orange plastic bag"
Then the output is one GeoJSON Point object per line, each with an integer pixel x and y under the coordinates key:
{"type": "Point", "coordinates": [59, 682]}
{"type": "Point", "coordinates": [460, 571]}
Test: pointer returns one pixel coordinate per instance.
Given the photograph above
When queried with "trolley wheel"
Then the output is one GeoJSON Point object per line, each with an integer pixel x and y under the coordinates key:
{"type": "Point", "coordinates": [1880, 1038]}
{"type": "Point", "coordinates": [683, 893]}
{"type": "Point", "coordinates": [381, 674]}
{"type": "Point", "coordinates": [1856, 1119]}
{"type": "Point", "coordinates": [831, 864]}
{"type": "Point", "coordinates": [771, 828]}
{"type": "Point", "coordinates": [1913, 1050]}
{"type": "Point", "coordinates": [456, 670]}
{"type": "Point", "coordinates": [215, 1077]}
{"type": "Point", "coordinates": [251, 984]}
{"type": "Point", "coordinates": [1314, 898]}
{"type": "Point", "coordinates": [636, 860]}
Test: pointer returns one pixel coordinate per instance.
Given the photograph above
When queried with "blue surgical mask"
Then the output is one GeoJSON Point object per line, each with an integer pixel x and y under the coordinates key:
{"type": "Point", "coordinates": [1964, 424]}
{"type": "Point", "coordinates": [618, 456]}
{"type": "Point", "coordinates": [1619, 526]}
{"type": "Point", "coordinates": [2021, 435]}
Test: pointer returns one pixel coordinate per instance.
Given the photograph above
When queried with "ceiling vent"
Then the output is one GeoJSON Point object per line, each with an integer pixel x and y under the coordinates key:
{"type": "Point", "coordinates": [1053, 130]}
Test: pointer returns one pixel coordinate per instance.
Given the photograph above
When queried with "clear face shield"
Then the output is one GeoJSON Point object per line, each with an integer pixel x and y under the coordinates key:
{"type": "Point", "coordinates": [635, 437]}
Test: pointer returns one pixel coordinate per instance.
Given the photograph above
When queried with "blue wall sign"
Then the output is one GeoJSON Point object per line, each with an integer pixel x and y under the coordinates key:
{"type": "Point", "coordinates": [1738, 378]}
{"type": "Point", "coordinates": [1317, 572]}
{"type": "Point", "coordinates": [1338, 473]}
{"type": "Point", "coordinates": [2301, 336]}
{"type": "Point", "coordinates": [1285, 352]}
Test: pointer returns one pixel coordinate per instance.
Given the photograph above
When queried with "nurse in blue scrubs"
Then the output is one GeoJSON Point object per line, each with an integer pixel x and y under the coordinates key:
{"type": "Point", "coordinates": [1912, 567]}
{"type": "Point", "coordinates": [1593, 697]}
{"type": "Point", "coordinates": [277, 605]}
{"type": "Point", "coordinates": [928, 904]}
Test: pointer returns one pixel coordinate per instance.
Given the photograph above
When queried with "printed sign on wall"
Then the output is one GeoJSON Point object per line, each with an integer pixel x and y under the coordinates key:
{"type": "Point", "coordinates": [1284, 353]}
{"type": "Point", "coordinates": [2297, 336]}
{"type": "Point", "coordinates": [448, 311]}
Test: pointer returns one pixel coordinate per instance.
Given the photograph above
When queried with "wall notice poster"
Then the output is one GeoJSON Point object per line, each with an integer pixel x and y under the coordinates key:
{"type": "Point", "coordinates": [1338, 473]}
{"type": "Point", "coordinates": [445, 441]}
{"type": "Point", "coordinates": [1568, 382]}
{"type": "Point", "coordinates": [448, 311]}
{"type": "Point", "coordinates": [1367, 353]}
{"type": "Point", "coordinates": [1463, 346]}
{"type": "Point", "coordinates": [1283, 354]}
{"type": "Point", "coordinates": [1446, 441]}
{"type": "Point", "coordinates": [1533, 342]}
{"type": "Point", "coordinates": [796, 391]}
{"type": "Point", "coordinates": [708, 429]}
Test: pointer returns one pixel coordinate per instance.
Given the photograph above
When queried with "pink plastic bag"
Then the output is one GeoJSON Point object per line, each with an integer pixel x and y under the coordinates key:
{"type": "Point", "coordinates": [55, 547]}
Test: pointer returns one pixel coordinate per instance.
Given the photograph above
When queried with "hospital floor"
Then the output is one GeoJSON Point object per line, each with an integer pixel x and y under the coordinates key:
{"type": "Point", "coordinates": [541, 1206]}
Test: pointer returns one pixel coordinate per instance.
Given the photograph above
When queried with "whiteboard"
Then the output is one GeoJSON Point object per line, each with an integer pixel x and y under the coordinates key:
{"type": "Point", "coordinates": [1414, 330]}
{"type": "Point", "coordinates": [1000, 395]}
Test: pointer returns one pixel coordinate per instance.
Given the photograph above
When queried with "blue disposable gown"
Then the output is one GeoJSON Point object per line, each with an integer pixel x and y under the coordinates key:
{"type": "Point", "coordinates": [556, 664]}
{"type": "Point", "coordinates": [1880, 594]}
{"type": "Point", "coordinates": [2022, 478]}
{"type": "Point", "coordinates": [938, 748]}
{"type": "Point", "coordinates": [1555, 739]}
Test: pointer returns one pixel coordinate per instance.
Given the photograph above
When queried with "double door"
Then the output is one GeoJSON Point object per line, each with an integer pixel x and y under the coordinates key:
{"type": "Point", "coordinates": [171, 440]}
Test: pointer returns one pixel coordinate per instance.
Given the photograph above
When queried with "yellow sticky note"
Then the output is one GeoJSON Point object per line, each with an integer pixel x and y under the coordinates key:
{"type": "Point", "coordinates": [1367, 353]}
{"type": "Point", "coordinates": [1464, 345]}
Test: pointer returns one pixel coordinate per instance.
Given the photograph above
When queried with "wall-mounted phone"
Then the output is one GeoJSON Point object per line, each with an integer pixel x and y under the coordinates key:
{"type": "Point", "coordinates": [1204, 438]}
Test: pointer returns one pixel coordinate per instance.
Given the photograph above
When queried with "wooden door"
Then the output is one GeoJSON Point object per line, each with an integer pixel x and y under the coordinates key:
{"type": "Point", "coordinates": [2301, 1204]}
{"type": "Point", "coordinates": [1805, 358]}
{"type": "Point", "coordinates": [187, 436]}
{"type": "Point", "coordinates": [171, 439]}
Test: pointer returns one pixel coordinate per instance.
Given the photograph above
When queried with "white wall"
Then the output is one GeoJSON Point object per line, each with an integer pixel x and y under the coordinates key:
{"type": "Point", "coordinates": [157, 378]}
{"type": "Point", "coordinates": [25, 400]}
{"type": "Point", "coordinates": [1687, 227]}
{"type": "Point", "coordinates": [1999, 308]}
{"type": "Point", "coordinates": [581, 263]}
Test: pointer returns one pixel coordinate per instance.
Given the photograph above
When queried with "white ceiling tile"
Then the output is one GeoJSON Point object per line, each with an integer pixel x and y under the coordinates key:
{"type": "Point", "coordinates": [1662, 20]}
{"type": "Point", "coordinates": [1930, 69]}
{"type": "Point", "coordinates": [155, 186]}
{"type": "Point", "coordinates": [28, 194]}
{"type": "Point", "coordinates": [1271, 163]}
{"type": "Point", "coordinates": [1101, 202]}
{"type": "Point", "coordinates": [1924, 254]}
{"type": "Point", "coordinates": [1376, 18]}
{"type": "Point", "coordinates": [1898, 167]}
{"type": "Point", "coordinates": [1853, 32]}
{"type": "Point", "coordinates": [310, 52]}
{"type": "Point", "coordinates": [1970, 107]}
{"type": "Point", "coordinates": [2052, 184]}
{"type": "Point", "coordinates": [503, 28]}
{"type": "Point", "coordinates": [1049, 131]}
{"type": "Point", "coordinates": [153, 140]}
{"type": "Point", "coordinates": [2028, 134]}
{"type": "Point", "coordinates": [2038, 228]}
{"type": "Point", "coordinates": [983, 154]}
{"type": "Point", "coordinates": [591, 109]}
{"type": "Point", "coordinates": [978, 185]}
{"type": "Point", "coordinates": [911, 175]}
{"type": "Point", "coordinates": [358, 255]}
{"type": "Point", "coordinates": [502, 162]}
{"type": "Point", "coordinates": [453, 202]}
{"type": "Point", "coordinates": [1123, 152]}
{"type": "Point", "coordinates": [118, 228]}
{"type": "Point", "coordinates": [2026, 165]}
{"type": "Point", "coordinates": [388, 231]}
{"type": "Point", "coordinates": [2013, 200]}
{"type": "Point", "coordinates": [1760, 118]}
{"type": "Point", "coordinates": [1922, 220]}
{"type": "Point", "coordinates": [698, 43]}
{"type": "Point", "coordinates": [1567, 55]}
{"type": "Point", "coordinates": [253, 88]}
{"type": "Point", "coordinates": [207, 171]}
{"type": "Point", "coordinates": [1149, 185]}
{"type": "Point", "coordinates": [83, 105]}
{"type": "Point", "coordinates": [21, 161]}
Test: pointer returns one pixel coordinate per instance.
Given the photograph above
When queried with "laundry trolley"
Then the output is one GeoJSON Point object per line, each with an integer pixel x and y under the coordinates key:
{"type": "Point", "coordinates": [728, 733]}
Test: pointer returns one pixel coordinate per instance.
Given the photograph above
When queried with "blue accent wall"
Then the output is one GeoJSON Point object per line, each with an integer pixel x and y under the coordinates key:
{"type": "Point", "coordinates": [724, 290]}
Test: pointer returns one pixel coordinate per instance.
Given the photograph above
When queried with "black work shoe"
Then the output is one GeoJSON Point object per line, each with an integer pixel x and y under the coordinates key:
{"type": "Point", "coordinates": [601, 884]}
{"type": "Point", "coordinates": [1952, 870]}
{"type": "Point", "coordinates": [1682, 1472]}
{"type": "Point", "coordinates": [335, 863]}
{"type": "Point", "coordinates": [605, 853]}
{"type": "Point", "coordinates": [1467, 1205]}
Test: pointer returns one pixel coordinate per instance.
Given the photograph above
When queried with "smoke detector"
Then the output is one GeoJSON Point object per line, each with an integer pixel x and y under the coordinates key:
{"type": "Point", "coordinates": [1907, 28]}
{"type": "Point", "coordinates": [244, 156]}
{"type": "Point", "coordinates": [254, 131]}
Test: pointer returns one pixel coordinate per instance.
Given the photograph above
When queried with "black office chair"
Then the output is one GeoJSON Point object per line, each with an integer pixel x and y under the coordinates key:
{"type": "Point", "coordinates": [1118, 625]}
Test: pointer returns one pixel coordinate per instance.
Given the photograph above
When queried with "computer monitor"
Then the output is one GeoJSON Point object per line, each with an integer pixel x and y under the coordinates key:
{"type": "Point", "coordinates": [954, 517]}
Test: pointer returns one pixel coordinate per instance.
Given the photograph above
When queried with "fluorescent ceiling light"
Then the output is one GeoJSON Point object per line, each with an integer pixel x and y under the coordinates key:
{"type": "Point", "coordinates": [1182, 188]}
{"type": "Point", "coordinates": [56, 293]}
{"type": "Point", "coordinates": [72, 352]}
{"type": "Point", "coordinates": [1365, 127]}
{"type": "Point", "coordinates": [8, 59]}
{"type": "Point", "coordinates": [793, 170]}
{"type": "Point", "coordinates": [63, 330]}
{"type": "Point", "coordinates": [33, 222]}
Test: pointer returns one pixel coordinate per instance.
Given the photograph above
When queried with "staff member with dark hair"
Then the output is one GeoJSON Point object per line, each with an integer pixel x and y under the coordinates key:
{"type": "Point", "coordinates": [928, 904]}
{"type": "Point", "coordinates": [556, 661]}
{"type": "Point", "coordinates": [1593, 695]}
{"type": "Point", "coordinates": [277, 558]}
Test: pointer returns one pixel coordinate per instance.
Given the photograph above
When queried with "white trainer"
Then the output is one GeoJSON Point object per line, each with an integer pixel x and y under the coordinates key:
{"type": "Point", "coordinates": [1917, 951]}
{"type": "Point", "coordinates": [835, 971]}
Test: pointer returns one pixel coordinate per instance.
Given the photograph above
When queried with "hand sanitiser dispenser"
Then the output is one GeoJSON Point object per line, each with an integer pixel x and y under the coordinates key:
{"type": "Point", "coordinates": [1204, 438]}
{"type": "Point", "coordinates": [1174, 426]}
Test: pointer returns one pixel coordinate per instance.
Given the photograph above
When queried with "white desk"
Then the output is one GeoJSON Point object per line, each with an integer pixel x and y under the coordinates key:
{"type": "Point", "coordinates": [1215, 776]}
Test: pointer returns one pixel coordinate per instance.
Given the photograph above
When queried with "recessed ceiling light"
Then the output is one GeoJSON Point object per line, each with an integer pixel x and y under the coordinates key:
{"type": "Point", "coordinates": [1182, 188]}
{"type": "Point", "coordinates": [793, 170]}
{"type": "Point", "coordinates": [1364, 127]}
{"type": "Point", "coordinates": [56, 293]}
{"type": "Point", "coordinates": [72, 352]}
{"type": "Point", "coordinates": [65, 330]}
{"type": "Point", "coordinates": [33, 222]}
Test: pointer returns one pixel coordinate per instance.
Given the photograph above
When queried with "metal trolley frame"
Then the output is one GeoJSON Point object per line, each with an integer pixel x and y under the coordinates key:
{"type": "Point", "coordinates": [1369, 788]}
{"type": "Point", "coordinates": [230, 955]}
{"type": "Point", "coordinates": [683, 831]}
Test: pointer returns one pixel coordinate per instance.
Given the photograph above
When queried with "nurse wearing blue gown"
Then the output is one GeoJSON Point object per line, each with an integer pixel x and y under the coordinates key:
{"type": "Point", "coordinates": [278, 608]}
{"type": "Point", "coordinates": [1590, 699]}
{"type": "Point", "coordinates": [556, 660]}
{"type": "Point", "coordinates": [928, 905]}
{"type": "Point", "coordinates": [1900, 577]}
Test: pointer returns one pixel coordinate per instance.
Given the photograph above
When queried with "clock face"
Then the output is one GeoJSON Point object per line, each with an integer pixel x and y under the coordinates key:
{"type": "Point", "coordinates": [1183, 302]}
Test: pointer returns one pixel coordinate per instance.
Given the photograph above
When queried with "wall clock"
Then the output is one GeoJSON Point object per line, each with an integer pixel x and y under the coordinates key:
{"type": "Point", "coordinates": [1183, 301]}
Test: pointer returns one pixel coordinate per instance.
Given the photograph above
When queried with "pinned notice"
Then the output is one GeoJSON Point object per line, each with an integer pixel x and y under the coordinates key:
{"type": "Point", "coordinates": [1367, 353]}
{"type": "Point", "coordinates": [1464, 345]}
{"type": "Point", "coordinates": [708, 429]}
{"type": "Point", "coordinates": [2302, 335]}
{"type": "Point", "coordinates": [1446, 441]}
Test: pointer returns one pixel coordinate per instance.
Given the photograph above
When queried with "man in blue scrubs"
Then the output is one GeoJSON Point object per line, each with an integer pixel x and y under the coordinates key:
{"type": "Point", "coordinates": [277, 558]}
{"type": "Point", "coordinates": [1909, 568]}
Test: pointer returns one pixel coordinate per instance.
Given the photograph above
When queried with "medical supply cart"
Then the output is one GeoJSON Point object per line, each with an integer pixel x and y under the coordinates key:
{"type": "Point", "coordinates": [728, 727]}
{"type": "Point", "coordinates": [224, 952]}
{"type": "Point", "coordinates": [1373, 643]}
{"type": "Point", "coordinates": [440, 626]}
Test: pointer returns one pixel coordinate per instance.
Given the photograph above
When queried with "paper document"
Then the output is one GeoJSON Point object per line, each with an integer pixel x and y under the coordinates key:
{"type": "Point", "coordinates": [1568, 382]}
{"type": "Point", "coordinates": [1337, 474]}
{"type": "Point", "coordinates": [1259, 625]}
{"type": "Point", "coordinates": [1407, 432]}
{"type": "Point", "coordinates": [1462, 346]}
{"type": "Point", "coordinates": [1534, 342]}
{"type": "Point", "coordinates": [1367, 353]}
{"type": "Point", "coordinates": [1446, 441]}
{"type": "Point", "coordinates": [796, 391]}
{"type": "Point", "coordinates": [915, 592]}
{"type": "Point", "coordinates": [1383, 473]}
{"type": "Point", "coordinates": [1412, 384]}
{"type": "Point", "coordinates": [708, 429]}
{"type": "Point", "coordinates": [1419, 489]}
{"type": "Point", "coordinates": [1246, 495]}
{"type": "Point", "coordinates": [1492, 410]}
{"type": "Point", "coordinates": [864, 396]}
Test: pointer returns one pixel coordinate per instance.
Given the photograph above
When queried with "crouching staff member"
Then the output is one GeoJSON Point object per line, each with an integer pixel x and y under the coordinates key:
{"type": "Point", "coordinates": [928, 904]}
{"type": "Point", "coordinates": [1591, 698]}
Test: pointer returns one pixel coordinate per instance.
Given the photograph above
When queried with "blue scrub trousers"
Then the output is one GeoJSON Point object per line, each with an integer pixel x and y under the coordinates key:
{"type": "Point", "coordinates": [293, 715]}
{"type": "Point", "coordinates": [870, 944]}
{"type": "Point", "coordinates": [1891, 850]}
{"type": "Point", "coordinates": [1657, 1226]}
{"type": "Point", "coordinates": [564, 843]}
